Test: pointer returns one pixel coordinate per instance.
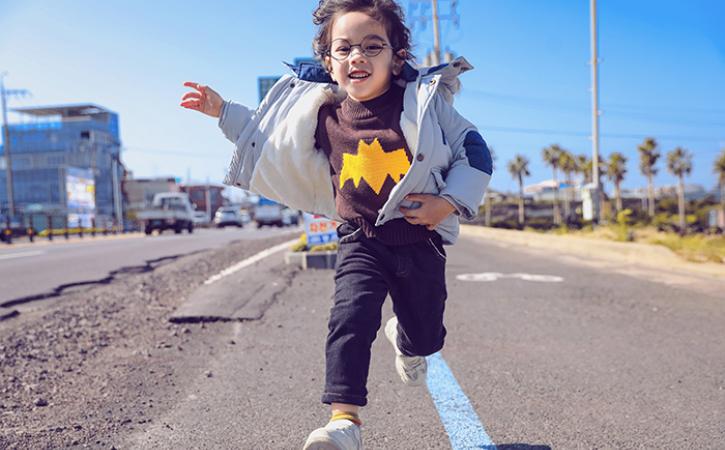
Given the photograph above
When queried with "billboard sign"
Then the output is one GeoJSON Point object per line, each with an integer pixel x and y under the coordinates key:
{"type": "Point", "coordinates": [320, 229]}
{"type": "Point", "coordinates": [80, 190]}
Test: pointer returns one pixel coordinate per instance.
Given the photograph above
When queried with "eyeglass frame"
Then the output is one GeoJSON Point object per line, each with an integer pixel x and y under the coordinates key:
{"type": "Point", "coordinates": [360, 46]}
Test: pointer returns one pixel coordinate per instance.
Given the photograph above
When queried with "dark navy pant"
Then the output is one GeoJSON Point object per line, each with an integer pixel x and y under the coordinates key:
{"type": "Point", "coordinates": [366, 272]}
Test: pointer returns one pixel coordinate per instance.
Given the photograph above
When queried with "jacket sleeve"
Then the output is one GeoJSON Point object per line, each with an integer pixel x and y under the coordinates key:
{"type": "Point", "coordinates": [233, 118]}
{"type": "Point", "coordinates": [471, 166]}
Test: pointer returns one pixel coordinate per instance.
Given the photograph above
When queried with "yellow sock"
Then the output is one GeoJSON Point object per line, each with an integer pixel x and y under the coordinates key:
{"type": "Point", "coordinates": [352, 417]}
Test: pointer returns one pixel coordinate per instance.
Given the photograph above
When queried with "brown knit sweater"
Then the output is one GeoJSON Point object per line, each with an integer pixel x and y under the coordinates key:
{"type": "Point", "coordinates": [368, 156]}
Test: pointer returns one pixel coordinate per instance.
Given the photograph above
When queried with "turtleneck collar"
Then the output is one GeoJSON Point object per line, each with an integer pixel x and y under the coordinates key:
{"type": "Point", "coordinates": [356, 110]}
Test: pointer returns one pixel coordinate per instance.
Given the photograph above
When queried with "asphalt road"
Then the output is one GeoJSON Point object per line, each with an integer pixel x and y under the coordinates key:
{"type": "Point", "coordinates": [549, 354]}
{"type": "Point", "coordinates": [40, 269]}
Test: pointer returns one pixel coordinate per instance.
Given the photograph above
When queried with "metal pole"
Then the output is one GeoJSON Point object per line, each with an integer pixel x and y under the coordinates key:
{"type": "Point", "coordinates": [436, 35]}
{"type": "Point", "coordinates": [207, 200]}
{"type": "Point", "coordinates": [6, 142]}
{"type": "Point", "coordinates": [116, 194]}
{"type": "Point", "coordinates": [595, 114]}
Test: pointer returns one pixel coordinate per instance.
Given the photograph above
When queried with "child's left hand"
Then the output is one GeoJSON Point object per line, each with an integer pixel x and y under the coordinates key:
{"type": "Point", "coordinates": [433, 209]}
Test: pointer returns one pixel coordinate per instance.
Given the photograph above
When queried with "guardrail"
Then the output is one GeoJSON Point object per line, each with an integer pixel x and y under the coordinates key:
{"type": "Point", "coordinates": [9, 234]}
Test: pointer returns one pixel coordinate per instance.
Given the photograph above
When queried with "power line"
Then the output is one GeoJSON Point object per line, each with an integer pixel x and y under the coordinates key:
{"type": "Point", "coordinates": [586, 134]}
{"type": "Point", "coordinates": [606, 110]}
{"type": "Point", "coordinates": [134, 149]}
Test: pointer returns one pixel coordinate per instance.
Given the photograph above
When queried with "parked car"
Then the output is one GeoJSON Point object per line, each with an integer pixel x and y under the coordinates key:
{"type": "Point", "coordinates": [246, 217]}
{"type": "Point", "coordinates": [228, 215]}
{"type": "Point", "coordinates": [290, 216]}
{"type": "Point", "coordinates": [169, 210]}
{"type": "Point", "coordinates": [268, 212]}
{"type": "Point", "coordinates": [201, 219]}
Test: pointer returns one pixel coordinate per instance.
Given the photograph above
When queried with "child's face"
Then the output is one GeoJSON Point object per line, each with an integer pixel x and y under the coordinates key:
{"type": "Point", "coordinates": [363, 77]}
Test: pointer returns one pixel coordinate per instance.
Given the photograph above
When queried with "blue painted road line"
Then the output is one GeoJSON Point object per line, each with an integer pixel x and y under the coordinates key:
{"type": "Point", "coordinates": [461, 422]}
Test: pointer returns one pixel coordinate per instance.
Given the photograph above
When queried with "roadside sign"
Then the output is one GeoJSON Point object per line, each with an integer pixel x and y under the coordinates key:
{"type": "Point", "coordinates": [320, 229]}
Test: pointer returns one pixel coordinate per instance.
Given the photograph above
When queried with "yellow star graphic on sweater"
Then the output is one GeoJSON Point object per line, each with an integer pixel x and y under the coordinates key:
{"type": "Point", "coordinates": [373, 164]}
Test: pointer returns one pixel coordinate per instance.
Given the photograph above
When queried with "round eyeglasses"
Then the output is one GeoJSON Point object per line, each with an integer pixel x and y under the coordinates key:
{"type": "Point", "coordinates": [341, 49]}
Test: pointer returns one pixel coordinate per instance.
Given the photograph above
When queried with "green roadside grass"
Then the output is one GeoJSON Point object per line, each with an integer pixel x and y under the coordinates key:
{"type": "Point", "coordinates": [695, 248]}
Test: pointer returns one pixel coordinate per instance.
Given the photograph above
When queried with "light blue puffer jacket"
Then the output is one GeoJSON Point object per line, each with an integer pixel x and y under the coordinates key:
{"type": "Point", "coordinates": [276, 156]}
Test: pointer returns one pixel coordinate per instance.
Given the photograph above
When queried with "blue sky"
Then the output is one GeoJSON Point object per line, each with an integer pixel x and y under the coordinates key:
{"type": "Point", "coordinates": [662, 73]}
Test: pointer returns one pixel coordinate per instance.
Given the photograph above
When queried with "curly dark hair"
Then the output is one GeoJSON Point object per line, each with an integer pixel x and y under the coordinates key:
{"type": "Point", "coordinates": [387, 12]}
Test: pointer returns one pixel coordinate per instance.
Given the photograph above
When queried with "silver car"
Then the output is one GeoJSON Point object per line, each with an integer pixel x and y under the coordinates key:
{"type": "Point", "coordinates": [228, 215]}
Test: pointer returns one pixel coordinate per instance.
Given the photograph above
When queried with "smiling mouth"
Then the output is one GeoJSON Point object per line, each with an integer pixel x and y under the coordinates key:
{"type": "Point", "coordinates": [358, 75]}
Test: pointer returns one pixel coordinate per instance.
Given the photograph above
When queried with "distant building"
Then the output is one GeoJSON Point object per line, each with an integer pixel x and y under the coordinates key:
{"type": "Point", "coordinates": [692, 192]}
{"type": "Point", "coordinates": [198, 196]}
{"type": "Point", "coordinates": [140, 191]}
{"type": "Point", "coordinates": [544, 190]}
{"type": "Point", "coordinates": [264, 84]}
{"type": "Point", "coordinates": [65, 162]}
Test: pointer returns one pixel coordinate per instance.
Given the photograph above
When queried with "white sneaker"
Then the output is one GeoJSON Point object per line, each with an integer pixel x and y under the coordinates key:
{"type": "Point", "coordinates": [339, 434]}
{"type": "Point", "coordinates": [411, 369]}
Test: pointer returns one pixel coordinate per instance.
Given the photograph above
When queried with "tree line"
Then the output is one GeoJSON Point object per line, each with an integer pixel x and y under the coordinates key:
{"type": "Point", "coordinates": [679, 164]}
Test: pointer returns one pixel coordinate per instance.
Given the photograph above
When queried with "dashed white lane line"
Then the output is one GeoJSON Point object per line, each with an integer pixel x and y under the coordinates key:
{"type": "Point", "coordinates": [493, 276]}
{"type": "Point", "coordinates": [21, 254]}
{"type": "Point", "coordinates": [249, 261]}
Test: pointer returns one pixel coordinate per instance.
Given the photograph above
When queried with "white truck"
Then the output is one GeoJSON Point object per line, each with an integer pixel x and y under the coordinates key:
{"type": "Point", "coordinates": [268, 212]}
{"type": "Point", "coordinates": [168, 211]}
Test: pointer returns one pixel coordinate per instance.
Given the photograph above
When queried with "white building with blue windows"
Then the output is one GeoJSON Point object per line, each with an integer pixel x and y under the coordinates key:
{"type": "Point", "coordinates": [65, 164]}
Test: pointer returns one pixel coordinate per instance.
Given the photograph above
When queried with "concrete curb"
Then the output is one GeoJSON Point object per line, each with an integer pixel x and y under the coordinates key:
{"type": "Point", "coordinates": [647, 255]}
{"type": "Point", "coordinates": [312, 260]}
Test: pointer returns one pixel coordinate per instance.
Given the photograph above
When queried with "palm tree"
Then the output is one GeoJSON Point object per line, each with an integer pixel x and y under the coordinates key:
{"type": "Point", "coordinates": [552, 157]}
{"type": "Point", "coordinates": [487, 197]}
{"type": "Point", "coordinates": [519, 168]}
{"type": "Point", "coordinates": [679, 163]}
{"type": "Point", "coordinates": [648, 156]}
{"type": "Point", "coordinates": [720, 172]}
{"type": "Point", "coordinates": [584, 168]}
{"type": "Point", "coordinates": [568, 166]}
{"type": "Point", "coordinates": [616, 169]}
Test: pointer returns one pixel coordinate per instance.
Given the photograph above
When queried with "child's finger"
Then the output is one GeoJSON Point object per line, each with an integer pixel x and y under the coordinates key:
{"type": "Point", "coordinates": [193, 84]}
{"type": "Point", "coordinates": [191, 104]}
{"type": "Point", "coordinates": [417, 197]}
{"type": "Point", "coordinates": [189, 95]}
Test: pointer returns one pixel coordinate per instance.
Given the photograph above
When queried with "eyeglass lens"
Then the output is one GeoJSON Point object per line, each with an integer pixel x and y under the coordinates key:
{"type": "Point", "coordinates": [341, 48]}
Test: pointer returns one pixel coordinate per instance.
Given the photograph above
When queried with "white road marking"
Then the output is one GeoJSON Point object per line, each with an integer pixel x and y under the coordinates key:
{"type": "Point", "coordinates": [21, 254]}
{"type": "Point", "coordinates": [464, 427]}
{"type": "Point", "coordinates": [493, 276]}
{"type": "Point", "coordinates": [249, 261]}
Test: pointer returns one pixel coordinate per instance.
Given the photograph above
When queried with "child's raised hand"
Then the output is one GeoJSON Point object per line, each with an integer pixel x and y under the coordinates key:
{"type": "Point", "coordinates": [433, 209]}
{"type": "Point", "coordinates": [205, 100]}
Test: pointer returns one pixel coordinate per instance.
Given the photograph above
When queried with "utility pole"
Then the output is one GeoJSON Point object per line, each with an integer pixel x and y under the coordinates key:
{"type": "Point", "coordinates": [436, 35]}
{"type": "Point", "coordinates": [117, 209]}
{"type": "Point", "coordinates": [207, 200]}
{"type": "Point", "coordinates": [4, 93]}
{"type": "Point", "coordinates": [597, 194]}
{"type": "Point", "coordinates": [434, 56]}
{"type": "Point", "coordinates": [6, 140]}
